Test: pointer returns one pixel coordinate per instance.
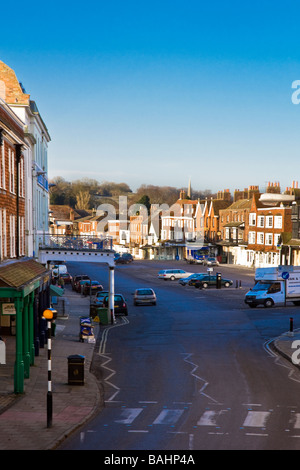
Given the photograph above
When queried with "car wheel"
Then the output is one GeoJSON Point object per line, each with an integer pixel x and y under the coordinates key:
{"type": "Point", "coordinates": [252, 305]}
{"type": "Point", "coordinates": [269, 303]}
{"type": "Point", "coordinates": [205, 285]}
{"type": "Point", "coordinates": [172, 278]}
{"type": "Point", "coordinates": [154, 303]}
{"type": "Point", "coordinates": [227, 284]}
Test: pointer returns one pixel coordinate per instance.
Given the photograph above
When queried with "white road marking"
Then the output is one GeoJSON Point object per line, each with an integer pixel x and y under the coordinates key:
{"type": "Point", "coordinates": [128, 415]}
{"type": "Point", "coordinates": [168, 417]}
{"type": "Point", "coordinates": [256, 419]}
{"type": "Point", "coordinates": [297, 420]}
{"type": "Point", "coordinates": [208, 418]}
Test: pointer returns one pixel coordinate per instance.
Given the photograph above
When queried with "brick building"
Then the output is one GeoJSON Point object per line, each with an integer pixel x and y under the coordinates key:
{"type": "Point", "coordinates": [269, 220]}
{"type": "Point", "coordinates": [35, 152]}
{"type": "Point", "coordinates": [12, 185]}
{"type": "Point", "coordinates": [234, 226]}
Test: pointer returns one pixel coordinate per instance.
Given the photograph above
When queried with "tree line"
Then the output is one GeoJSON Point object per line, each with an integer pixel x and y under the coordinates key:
{"type": "Point", "coordinates": [88, 193]}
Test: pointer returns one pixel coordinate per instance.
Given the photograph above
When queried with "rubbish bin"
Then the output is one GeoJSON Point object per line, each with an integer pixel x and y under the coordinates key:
{"type": "Point", "coordinates": [219, 281]}
{"type": "Point", "coordinates": [76, 370]}
{"type": "Point", "coordinates": [102, 315]}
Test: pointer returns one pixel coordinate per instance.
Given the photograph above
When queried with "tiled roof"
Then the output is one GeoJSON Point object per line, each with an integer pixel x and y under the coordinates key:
{"type": "Point", "coordinates": [20, 273]}
{"type": "Point", "coordinates": [240, 204]}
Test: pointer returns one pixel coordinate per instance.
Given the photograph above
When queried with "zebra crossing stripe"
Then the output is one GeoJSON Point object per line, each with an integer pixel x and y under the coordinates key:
{"type": "Point", "coordinates": [208, 419]}
{"type": "Point", "coordinates": [168, 417]}
{"type": "Point", "coordinates": [256, 419]}
{"type": "Point", "coordinates": [128, 415]}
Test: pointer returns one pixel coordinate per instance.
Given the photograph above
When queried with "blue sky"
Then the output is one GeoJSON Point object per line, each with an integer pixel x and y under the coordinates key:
{"type": "Point", "coordinates": [158, 92]}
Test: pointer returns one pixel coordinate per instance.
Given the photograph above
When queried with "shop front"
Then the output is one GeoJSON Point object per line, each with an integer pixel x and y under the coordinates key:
{"type": "Point", "coordinates": [24, 295]}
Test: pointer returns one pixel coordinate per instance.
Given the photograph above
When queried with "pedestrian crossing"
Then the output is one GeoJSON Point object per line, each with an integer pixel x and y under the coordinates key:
{"type": "Point", "coordinates": [250, 420]}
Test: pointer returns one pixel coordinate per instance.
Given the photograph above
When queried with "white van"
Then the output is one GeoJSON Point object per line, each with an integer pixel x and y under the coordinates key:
{"type": "Point", "coordinates": [59, 269]}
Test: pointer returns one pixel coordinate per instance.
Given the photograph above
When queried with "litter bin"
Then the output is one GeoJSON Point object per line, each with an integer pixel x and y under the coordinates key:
{"type": "Point", "coordinates": [102, 315]}
{"type": "Point", "coordinates": [76, 370]}
{"type": "Point", "coordinates": [219, 281]}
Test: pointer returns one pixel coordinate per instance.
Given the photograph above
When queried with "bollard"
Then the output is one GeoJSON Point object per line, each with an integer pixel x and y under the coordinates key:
{"type": "Point", "coordinates": [240, 284]}
{"type": "Point", "coordinates": [236, 284]}
{"type": "Point", "coordinates": [291, 324]}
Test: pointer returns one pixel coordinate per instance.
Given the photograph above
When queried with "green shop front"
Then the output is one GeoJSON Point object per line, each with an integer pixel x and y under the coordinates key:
{"type": "Point", "coordinates": [24, 295]}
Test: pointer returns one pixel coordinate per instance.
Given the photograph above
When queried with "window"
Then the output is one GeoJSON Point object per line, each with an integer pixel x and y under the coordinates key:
{"type": "Point", "coordinates": [21, 178]}
{"type": "Point", "coordinates": [4, 233]}
{"type": "Point", "coordinates": [252, 219]}
{"type": "Point", "coordinates": [269, 221]}
{"type": "Point", "coordinates": [251, 238]}
{"type": "Point", "coordinates": [278, 221]}
{"type": "Point", "coordinates": [2, 168]}
{"type": "Point", "coordinates": [12, 235]}
{"type": "Point", "coordinates": [11, 170]}
{"type": "Point", "coordinates": [261, 221]}
{"type": "Point", "coordinates": [276, 239]}
{"type": "Point", "coordinates": [269, 239]}
{"type": "Point", "coordinates": [21, 236]}
{"type": "Point", "coordinates": [260, 238]}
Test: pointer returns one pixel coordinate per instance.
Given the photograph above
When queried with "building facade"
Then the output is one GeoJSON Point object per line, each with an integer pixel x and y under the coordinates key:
{"type": "Point", "coordinates": [35, 152]}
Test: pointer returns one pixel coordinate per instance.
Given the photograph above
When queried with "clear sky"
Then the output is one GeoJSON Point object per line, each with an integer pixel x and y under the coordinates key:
{"type": "Point", "coordinates": [158, 92]}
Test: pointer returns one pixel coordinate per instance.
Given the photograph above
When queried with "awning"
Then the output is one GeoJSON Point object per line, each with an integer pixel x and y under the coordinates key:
{"type": "Point", "coordinates": [55, 290]}
{"type": "Point", "coordinates": [19, 278]}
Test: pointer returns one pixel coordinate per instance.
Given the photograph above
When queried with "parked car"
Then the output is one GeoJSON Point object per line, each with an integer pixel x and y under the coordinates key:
{"type": "Point", "coordinates": [76, 279]}
{"type": "Point", "coordinates": [80, 285]}
{"type": "Point", "coordinates": [124, 259]}
{"type": "Point", "coordinates": [190, 281]}
{"type": "Point", "coordinates": [195, 260]}
{"type": "Point", "coordinates": [91, 287]}
{"type": "Point", "coordinates": [144, 296]}
{"type": "Point", "coordinates": [211, 262]}
{"type": "Point", "coordinates": [172, 274]}
{"type": "Point", "coordinates": [117, 256]}
{"type": "Point", "coordinates": [99, 298]}
{"type": "Point", "coordinates": [67, 278]}
{"type": "Point", "coordinates": [120, 304]}
{"type": "Point", "coordinates": [208, 281]}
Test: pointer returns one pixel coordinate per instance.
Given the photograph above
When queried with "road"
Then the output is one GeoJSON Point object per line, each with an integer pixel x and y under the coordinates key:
{"type": "Point", "coordinates": [193, 372]}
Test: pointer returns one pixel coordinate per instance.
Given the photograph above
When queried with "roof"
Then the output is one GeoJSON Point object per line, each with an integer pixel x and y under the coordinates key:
{"type": "Point", "coordinates": [63, 212]}
{"type": "Point", "coordinates": [20, 273]}
{"type": "Point", "coordinates": [240, 204]}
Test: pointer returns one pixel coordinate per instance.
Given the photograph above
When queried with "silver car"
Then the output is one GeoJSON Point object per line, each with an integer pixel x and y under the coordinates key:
{"type": "Point", "coordinates": [144, 296]}
{"type": "Point", "coordinates": [173, 274]}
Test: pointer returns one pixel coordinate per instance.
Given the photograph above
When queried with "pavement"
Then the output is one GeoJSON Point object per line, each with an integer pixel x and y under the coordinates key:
{"type": "Point", "coordinates": [23, 417]}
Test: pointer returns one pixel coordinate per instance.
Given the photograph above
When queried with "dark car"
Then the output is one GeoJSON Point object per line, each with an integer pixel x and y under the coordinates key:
{"type": "Point", "coordinates": [76, 279]}
{"type": "Point", "coordinates": [91, 287]}
{"type": "Point", "coordinates": [211, 280]}
{"type": "Point", "coordinates": [66, 277]}
{"type": "Point", "coordinates": [190, 281]}
{"type": "Point", "coordinates": [120, 304]}
{"type": "Point", "coordinates": [124, 259]}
